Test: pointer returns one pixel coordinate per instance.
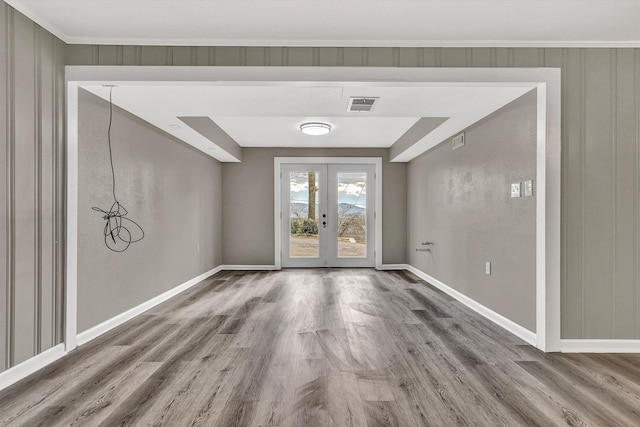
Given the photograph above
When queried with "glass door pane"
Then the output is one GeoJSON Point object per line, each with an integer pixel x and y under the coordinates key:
{"type": "Point", "coordinates": [351, 209]}
{"type": "Point", "coordinates": [303, 214]}
{"type": "Point", "coordinates": [352, 214]}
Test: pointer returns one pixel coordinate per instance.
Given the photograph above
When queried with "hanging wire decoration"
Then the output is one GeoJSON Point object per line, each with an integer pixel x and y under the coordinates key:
{"type": "Point", "coordinates": [119, 232]}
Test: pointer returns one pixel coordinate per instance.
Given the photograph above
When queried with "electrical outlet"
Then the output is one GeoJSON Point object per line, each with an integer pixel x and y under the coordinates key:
{"type": "Point", "coordinates": [487, 268]}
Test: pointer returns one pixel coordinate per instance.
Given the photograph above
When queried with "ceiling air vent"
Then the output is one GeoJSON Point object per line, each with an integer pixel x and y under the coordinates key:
{"type": "Point", "coordinates": [362, 104]}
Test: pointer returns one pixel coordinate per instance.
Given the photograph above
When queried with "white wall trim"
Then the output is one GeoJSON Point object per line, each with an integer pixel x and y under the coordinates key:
{"type": "Point", "coordinates": [356, 43]}
{"type": "Point", "coordinates": [519, 331]}
{"type": "Point", "coordinates": [107, 325]}
{"type": "Point", "coordinates": [541, 232]}
{"type": "Point", "coordinates": [599, 346]}
{"type": "Point", "coordinates": [548, 219]}
{"type": "Point", "coordinates": [394, 267]}
{"type": "Point", "coordinates": [277, 201]}
{"type": "Point", "coordinates": [38, 19]}
{"type": "Point", "coordinates": [29, 366]}
{"type": "Point", "coordinates": [71, 211]}
{"type": "Point", "coordinates": [548, 176]}
{"type": "Point", "coordinates": [259, 267]}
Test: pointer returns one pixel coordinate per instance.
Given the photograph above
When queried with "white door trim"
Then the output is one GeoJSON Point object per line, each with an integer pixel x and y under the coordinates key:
{"type": "Point", "coordinates": [277, 200]}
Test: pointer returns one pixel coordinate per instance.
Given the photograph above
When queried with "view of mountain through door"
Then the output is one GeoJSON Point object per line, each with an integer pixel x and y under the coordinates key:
{"type": "Point", "coordinates": [327, 215]}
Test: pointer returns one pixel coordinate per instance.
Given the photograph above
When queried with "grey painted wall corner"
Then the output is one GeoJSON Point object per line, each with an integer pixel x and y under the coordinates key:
{"type": "Point", "coordinates": [172, 190]}
{"type": "Point", "coordinates": [459, 200]}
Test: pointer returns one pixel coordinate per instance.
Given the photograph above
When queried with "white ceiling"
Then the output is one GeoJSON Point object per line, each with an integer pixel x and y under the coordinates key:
{"type": "Point", "coordinates": [340, 22]}
{"type": "Point", "coordinates": [270, 115]}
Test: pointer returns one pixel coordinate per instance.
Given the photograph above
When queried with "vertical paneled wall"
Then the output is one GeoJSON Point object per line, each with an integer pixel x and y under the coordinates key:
{"type": "Point", "coordinates": [600, 153]}
{"type": "Point", "coordinates": [31, 183]}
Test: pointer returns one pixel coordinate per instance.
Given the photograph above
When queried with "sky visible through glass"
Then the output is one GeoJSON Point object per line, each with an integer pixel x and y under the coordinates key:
{"type": "Point", "coordinates": [352, 188]}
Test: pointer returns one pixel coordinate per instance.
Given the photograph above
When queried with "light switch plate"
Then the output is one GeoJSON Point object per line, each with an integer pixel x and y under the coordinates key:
{"type": "Point", "coordinates": [528, 188]}
{"type": "Point", "coordinates": [487, 268]}
{"type": "Point", "coordinates": [515, 189]}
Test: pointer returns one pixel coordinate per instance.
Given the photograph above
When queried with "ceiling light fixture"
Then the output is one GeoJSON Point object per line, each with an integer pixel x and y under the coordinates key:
{"type": "Point", "coordinates": [315, 128]}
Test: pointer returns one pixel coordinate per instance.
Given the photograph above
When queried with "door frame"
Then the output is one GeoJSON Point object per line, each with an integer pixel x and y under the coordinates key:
{"type": "Point", "coordinates": [277, 200]}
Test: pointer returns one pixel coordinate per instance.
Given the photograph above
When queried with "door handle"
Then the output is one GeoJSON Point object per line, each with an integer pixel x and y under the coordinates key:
{"type": "Point", "coordinates": [324, 224]}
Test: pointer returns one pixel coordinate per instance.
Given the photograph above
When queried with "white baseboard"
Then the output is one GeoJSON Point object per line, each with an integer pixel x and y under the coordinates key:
{"type": "Point", "coordinates": [107, 325]}
{"type": "Point", "coordinates": [599, 346]}
{"type": "Point", "coordinates": [28, 367]}
{"type": "Point", "coordinates": [260, 267]}
{"type": "Point", "coordinates": [394, 267]}
{"type": "Point", "coordinates": [519, 331]}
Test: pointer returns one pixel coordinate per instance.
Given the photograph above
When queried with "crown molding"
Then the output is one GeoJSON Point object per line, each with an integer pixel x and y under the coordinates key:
{"type": "Point", "coordinates": [355, 43]}
{"type": "Point", "coordinates": [35, 17]}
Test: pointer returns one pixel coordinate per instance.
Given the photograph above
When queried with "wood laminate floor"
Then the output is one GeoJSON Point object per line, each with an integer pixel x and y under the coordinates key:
{"type": "Point", "coordinates": [321, 347]}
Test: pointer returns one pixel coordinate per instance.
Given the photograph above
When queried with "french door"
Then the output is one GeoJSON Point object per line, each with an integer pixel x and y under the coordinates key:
{"type": "Point", "coordinates": [327, 215]}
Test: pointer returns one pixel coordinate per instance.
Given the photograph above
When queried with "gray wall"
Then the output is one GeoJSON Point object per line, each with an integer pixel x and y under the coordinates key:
{"type": "Point", "coordinates": [600, 153]}
{"type": "Point", "coordinates": [248, 234]}
{"type": "Point", "coordinates": [172, 190]}
{"type": "Point", "coordinates": [31, 183]}
{"type": "Point", "coordinates": [460, 201]}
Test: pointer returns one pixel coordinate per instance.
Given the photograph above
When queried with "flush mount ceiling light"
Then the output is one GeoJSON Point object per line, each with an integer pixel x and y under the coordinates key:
{"type": "Point", "coordinates": [315, 128]}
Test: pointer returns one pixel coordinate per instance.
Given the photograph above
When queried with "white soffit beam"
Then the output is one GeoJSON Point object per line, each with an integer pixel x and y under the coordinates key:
{"type": "Point", "coordinates": [210, 130]}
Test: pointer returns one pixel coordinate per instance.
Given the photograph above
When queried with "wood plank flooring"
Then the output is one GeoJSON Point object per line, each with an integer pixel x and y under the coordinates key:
{"type": "Point", "coordinates": [321, 347]}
